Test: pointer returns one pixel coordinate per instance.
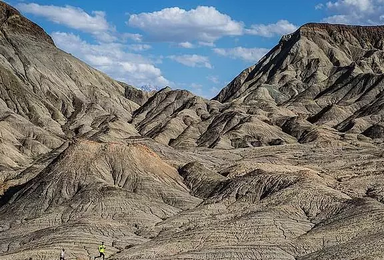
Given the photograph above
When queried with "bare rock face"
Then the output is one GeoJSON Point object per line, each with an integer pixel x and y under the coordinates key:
{"type": "Point", "coordinates": [285, 163]}
{"type": "Point", "coordinates": [329, 76]}
{"type": "Point", "coordinates": [180, 119]}
{"type": "Point", "coordinates": [92, 190]}
{"type": "Point", "coordinates": [275, 204]}
{"type": "Point", "coordinates": [333, 74]}
{"type": "Point", "coordinates": [374, 132]}
{"type": "Point", "coordinates": [202, 181]}
{"type": "Point", "coordinates": [13, 22]}
{"type": "Point", "coordinates": [136, 95]}
{"type": "Point", "coordinates": [48, 96]}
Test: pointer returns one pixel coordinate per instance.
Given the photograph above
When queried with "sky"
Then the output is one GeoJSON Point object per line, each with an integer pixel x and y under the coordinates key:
{"type": "Point", "coordinates": [185, 44]}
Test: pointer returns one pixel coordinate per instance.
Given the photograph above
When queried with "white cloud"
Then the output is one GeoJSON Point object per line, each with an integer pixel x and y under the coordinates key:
{"type": "Point", "coordinates": [365, 12]}
{"type": "Point", "coordinates": [204, 24]}
{"type": "Point", "coordinates": [139, 47]}
{"type": "Point", "coordinates": [208, 44]}
{"type": "Point", "coordinates": [70, 16]}
{"type": "Point", "coordinates": [132, 36]}
{"type": "Point", "coordinates": [246, 54]}
{"type": "Point", "coordinates": [192, 60]}
{"type": "Point", "coordinates": [112, 59]}
{"type": "Point", "coordinates": [342, 19]}
{"type": "Point", "coordinates": [359, 5]}
{"type": "Point", "coordinates": [270, 30]}
{"type": "Point", "coordinates": [76, 18]}
{"type": "Point", "coordinates": [186, 45]}
{"type": "Point", "coordinates": [214, 79]}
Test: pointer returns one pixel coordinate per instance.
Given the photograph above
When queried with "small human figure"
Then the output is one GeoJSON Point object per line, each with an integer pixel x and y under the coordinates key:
{"type": "Point", "coordinates": [101, 251]}
{"type": "Point", "coordinates": [62, 254]}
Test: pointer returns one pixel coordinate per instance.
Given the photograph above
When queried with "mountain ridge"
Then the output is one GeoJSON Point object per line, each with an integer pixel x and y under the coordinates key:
{"type": "Point", "coordinates": [342, 27]}
{"type": "Point", "coordinates": [285, 164]}
{"type": "Point", "coordinates": [11, 18]}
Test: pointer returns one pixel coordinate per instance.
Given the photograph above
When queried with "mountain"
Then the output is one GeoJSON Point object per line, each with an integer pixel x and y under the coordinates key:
{"type": "Point", "coordinates": [285, 163]}
{"type": "Point", "coordinates": [48, 96]}
{"type": "Point", "coordinates": [182, 120]}
{"type": "Point", "coordinates": [319, 83]}
{"type": "Point", "coordinates": [332, 74]}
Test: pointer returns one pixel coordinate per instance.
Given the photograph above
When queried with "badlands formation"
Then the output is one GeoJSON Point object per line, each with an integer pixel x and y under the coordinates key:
{"type": "Point", "coordinates": [285, 163]}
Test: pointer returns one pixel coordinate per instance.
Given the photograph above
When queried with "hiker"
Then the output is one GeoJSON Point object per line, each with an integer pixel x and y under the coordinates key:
{"type": "Point", "coordinates": [101, 251]}
{"type": "Point", "coordinates": [62, 254]}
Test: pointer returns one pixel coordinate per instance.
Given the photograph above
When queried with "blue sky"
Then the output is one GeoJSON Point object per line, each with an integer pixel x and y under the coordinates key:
{"type": "Point", "coordinates": [186, 44]}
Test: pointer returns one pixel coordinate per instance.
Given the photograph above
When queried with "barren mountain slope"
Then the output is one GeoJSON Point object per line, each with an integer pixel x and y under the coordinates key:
{"type": "Point", "coordinates": [316, 84]}
{"type": "Point", "coordinates": [180, 119]}
{"type": "Point", "coordinates": [282, 165]}
{"type": "Point", "coordinates": [333, 74]}
{"type": "Point", "coordinates": [92, 191]}
{"type": "Point", "coordinates": [47, 96]}
{"type": "Point", "coordinates": [285, 202]}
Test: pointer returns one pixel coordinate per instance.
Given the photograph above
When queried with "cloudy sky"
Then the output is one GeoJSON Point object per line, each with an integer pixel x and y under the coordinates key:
{"type": "Point", "coordinates": [187, 44]}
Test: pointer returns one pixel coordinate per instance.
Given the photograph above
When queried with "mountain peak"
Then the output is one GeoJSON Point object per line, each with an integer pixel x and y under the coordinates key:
{"type": "Point", "coordinates": [7, 11]}
{"type": "Point", "coordinates": [314, 63]}
{"type": "Point", "coordinates": [12, 22]}
{"type": "Point", "coordinates": [345, 27]}
{"type": "Point", "coordinates": [368, 34]}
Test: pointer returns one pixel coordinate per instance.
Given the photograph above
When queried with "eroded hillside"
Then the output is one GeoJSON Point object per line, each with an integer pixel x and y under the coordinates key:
{"type": "Point", "coordinates": [285, 163]}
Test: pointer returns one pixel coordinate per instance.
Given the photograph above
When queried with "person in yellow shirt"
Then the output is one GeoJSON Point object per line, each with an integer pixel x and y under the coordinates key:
{"type": "Point", "coordinates": [101, 251]}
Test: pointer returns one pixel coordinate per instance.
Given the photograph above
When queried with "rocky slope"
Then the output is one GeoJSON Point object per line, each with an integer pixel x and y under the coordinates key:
{"type": "Point", "coordinates": [285, 163]}
{"type": "Point", "coordinates": [317, 84]}
{"type": "Point", "coordinates": [332, 74]}
{"type": "Point", "coordinates": [182, 120]}
{"type": "Point", "coordinates": [48, 96]}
